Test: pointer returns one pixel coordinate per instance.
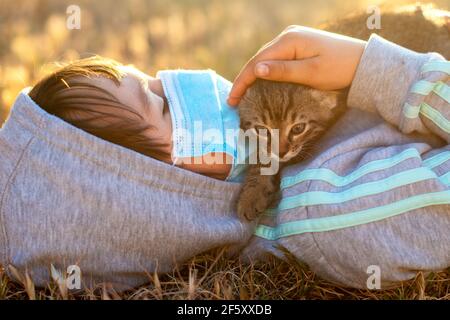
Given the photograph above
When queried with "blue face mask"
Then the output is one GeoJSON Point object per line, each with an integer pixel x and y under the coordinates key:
{"type": "Point", "coordinates": [203, 122]}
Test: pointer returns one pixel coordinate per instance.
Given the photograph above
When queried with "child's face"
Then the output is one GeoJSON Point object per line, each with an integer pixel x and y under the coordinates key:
{"type": "Point", "coordinates": [145, 95]}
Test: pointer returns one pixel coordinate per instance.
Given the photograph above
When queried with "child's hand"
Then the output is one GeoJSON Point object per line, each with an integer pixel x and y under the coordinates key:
{"type": "Point", "coordinates": [319, 59]}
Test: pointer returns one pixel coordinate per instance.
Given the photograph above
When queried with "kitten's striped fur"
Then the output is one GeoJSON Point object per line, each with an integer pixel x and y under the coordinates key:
{"type": "Point", "coordinates": [301, 115]}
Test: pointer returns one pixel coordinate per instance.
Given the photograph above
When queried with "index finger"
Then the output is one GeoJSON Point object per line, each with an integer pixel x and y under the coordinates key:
{"type": "Point", "coordinates": [244, 80]}
{"type": "Point", "coordinates": [273, 50]}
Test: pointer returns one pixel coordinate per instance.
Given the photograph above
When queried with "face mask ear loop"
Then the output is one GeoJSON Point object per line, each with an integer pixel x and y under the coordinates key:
{"type": "Point", "coordinates": [174, 159]}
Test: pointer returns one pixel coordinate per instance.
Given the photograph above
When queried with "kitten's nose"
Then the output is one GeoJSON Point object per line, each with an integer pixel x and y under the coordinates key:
{"type": "Point", "coordinates": [284, 149]}
{"type": "Point", "coordinates": [282, 154]}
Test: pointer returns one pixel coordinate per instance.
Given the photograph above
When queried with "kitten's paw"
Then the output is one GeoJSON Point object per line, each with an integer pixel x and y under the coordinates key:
{"type": "Point", "coordinates": [247, 211]}
{"type": "Point", "coordinates": [251, 207]}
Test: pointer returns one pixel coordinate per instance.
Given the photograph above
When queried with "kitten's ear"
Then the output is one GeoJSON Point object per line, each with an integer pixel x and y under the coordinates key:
{"type": "Point", "coordinates": [328, 99]}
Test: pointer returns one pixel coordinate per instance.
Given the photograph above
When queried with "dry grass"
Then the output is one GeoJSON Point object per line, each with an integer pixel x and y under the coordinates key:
{"type": "Point", "coordinates": [212, 276]}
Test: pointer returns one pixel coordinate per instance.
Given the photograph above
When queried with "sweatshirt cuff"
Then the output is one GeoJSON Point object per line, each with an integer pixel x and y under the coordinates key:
{"type": "Point", "coordinates": [383, 78]}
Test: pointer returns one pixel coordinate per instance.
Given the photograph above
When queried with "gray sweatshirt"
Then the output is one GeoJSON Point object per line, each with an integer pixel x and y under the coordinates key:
{"type": "Point", "coordinates": [376, 193]}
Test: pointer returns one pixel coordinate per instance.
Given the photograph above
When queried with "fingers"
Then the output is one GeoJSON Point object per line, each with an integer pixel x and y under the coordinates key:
{"type": "Point", "coordinates": [296, 71]}
{"type": "Point", "coordinates": [244, 80]}
{"type": "Point", "coordinates": [302, 55]}
{"type": "Point", "coordinates": [274, 50]}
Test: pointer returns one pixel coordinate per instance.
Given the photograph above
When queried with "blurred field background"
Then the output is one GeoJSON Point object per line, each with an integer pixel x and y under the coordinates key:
{"type": "Point", "coordinates": [161, 34]}
{"type": "Point", "coordinates": [151, 34]}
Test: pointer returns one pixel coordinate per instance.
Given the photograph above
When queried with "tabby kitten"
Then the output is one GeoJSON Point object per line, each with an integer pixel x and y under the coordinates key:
{"type": "Point", "coordinates": [301, 114]}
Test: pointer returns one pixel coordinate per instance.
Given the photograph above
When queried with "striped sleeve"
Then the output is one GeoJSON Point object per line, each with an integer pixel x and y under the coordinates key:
{"type": "Point", "coordinates": [428, 101]}
{"type": "Point", "coordinates": [373, 194]}
{"type": "Point", "coordinates": [408, 89]}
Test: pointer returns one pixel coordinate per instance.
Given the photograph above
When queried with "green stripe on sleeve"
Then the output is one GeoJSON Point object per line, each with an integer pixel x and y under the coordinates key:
{"type": "Point", "coordinates": [436, 117]}
{"type": "Point", "coordinates": [439, 66]}
{"type": "Point", "coordinates": [424, 88]}
{"type": "Point", "coordinates": [332, 178]}
{"type": "Point", "coordinates": [411, 112]}
{"type": "Point", "coordinates": [354, 218]}
{"type": "Point", "coordinates": [359, 191]}
{"type": "Point", "coordinates": [445, 179]}
{"type": "Point", "coordinates": [437, 159]}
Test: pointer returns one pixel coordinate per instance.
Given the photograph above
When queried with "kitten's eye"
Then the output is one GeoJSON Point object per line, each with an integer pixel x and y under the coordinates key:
{"type": "Point", "coordinates": [298, 129]}
{"type": "Point", "coordinates": [263, 132]}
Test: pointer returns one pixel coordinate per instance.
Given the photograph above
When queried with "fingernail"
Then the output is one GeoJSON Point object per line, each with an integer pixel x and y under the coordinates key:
{"type": "Point", "coordinates": [262, 70]}
{"type": "Point", "coordinates": [231, 101]}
